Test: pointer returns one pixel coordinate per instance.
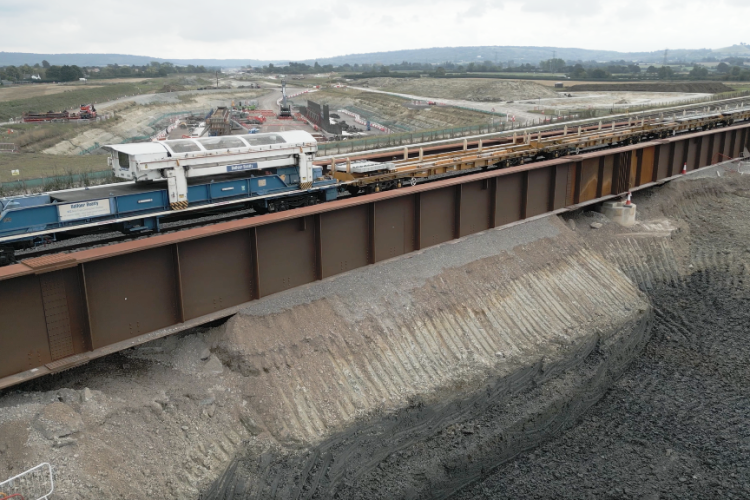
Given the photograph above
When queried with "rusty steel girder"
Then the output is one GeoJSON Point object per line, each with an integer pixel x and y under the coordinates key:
{"type": "Point", "coordinates": [62, 310]}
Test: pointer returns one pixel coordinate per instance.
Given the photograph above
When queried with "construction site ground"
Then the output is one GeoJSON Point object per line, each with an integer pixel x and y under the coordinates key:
{"type": "Point", "coordinates": [609, 100]}
{"type": "Point", "coordinates": [683, 87]}
{"type": "Point", "coordinates": [551, 359]}
{"type": "Point", "coordinates": [467, 89]}
{"type": "Point", "coordinates": [135, 113]}
{"type": "Point", "coordinates": [73, 95]}
{"type": "Point", "coordinates": [15, 92]}
{"type": "Point", "coordinates": [521, 99]}
{"type": "Point", "coordinates": [36, 165]}
{"type": "Point", "coordinates": [394, 111]}
{"type": "Point", "coordinates": [675, 424]}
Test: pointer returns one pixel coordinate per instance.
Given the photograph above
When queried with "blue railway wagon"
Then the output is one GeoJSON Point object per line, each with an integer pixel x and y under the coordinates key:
{"type": "Point", "coordinates": [140, 206]}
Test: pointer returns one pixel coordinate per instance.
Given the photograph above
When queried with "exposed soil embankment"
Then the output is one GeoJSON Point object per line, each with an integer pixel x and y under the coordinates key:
{"type": "Point", "coordinates": [421, 327]}
{"type": "Point", "coordinates": [416, 381]}
{"type": "Point", "coordinates": [430, 449]}
{"type": "Point", "coordinates": [392, 110]}
{"type": "Point", "coordinates": [672, 427]}
{"type": "Point", "coordinates": [424, 377]}
{"type": "Point", "coordinates": [675, 426]}
{"type": "Point", "coordinates": [470, 89]}
{"type": "Point", "coordinates": [683, 87]}
{"type": "Point", "coordinates": [402, 346]}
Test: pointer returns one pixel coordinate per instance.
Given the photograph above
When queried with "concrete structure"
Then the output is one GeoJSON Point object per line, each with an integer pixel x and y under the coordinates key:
{"type": "Point", "coordinates": [320, 115]}
{"type": "Point", "coordinates": [620, 212]}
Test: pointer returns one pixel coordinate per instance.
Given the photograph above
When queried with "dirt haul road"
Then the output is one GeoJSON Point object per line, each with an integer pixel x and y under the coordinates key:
{"type": "Point", "coordinates": [468, 89]}
{"type": "Point", "coordinates": [520, 112]}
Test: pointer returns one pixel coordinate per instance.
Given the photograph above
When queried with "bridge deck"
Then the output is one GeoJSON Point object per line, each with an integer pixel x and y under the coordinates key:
{"type": "Point", "coordinates": [62, 310]}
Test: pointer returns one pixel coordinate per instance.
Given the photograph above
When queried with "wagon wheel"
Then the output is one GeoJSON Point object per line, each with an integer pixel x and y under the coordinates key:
{"type": "Point", "coordinates": [413, 181]}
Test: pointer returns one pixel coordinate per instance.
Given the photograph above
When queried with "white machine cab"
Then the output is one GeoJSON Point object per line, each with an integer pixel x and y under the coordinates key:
{"type": "Point", "coordinates": [177, 160]}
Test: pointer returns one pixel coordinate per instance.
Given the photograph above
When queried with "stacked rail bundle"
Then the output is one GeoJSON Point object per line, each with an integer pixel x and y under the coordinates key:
{"type": "Point", "coordinates": [49, 116]}
{"type": "Point", "coordinates": [218, 122]}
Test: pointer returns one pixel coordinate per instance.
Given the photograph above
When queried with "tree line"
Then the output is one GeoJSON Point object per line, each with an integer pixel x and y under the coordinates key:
{"type": "Point", "coordinates": [731, 68]}
{"type": "Point", "coordinates": [69, 73]}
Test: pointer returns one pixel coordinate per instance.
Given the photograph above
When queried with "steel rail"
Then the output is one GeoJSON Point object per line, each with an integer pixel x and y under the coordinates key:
{"type": "Point", "coordinates": [553, 126]}
{"type": "Point", "coordinates": [416, 167]}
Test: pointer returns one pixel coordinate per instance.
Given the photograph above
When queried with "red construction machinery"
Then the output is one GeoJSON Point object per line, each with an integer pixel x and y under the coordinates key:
{"type": "Point", "coordinates": [85, 112]}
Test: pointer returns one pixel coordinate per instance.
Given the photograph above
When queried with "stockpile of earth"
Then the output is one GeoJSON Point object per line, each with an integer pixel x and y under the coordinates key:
{"type": "Point", "coordinates": [683, 87]}
{"type": "Point", "coordinates": [395, 112]}
{"type": "Point", "coordinates": [468, 89]}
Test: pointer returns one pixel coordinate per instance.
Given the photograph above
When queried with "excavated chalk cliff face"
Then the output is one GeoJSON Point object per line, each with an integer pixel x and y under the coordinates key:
{"type": "Point", "coordinates": [416, 375]}
{"type": "Point", "coordinates": [675, 424]}
{"type": "Point", "coordinates": [407, 378]}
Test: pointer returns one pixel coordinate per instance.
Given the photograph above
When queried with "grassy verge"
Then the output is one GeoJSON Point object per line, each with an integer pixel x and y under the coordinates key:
{"type": "Point", "coordinates": [34, 166]}
{"type": "Point", "coordinates": [740, 86]}
{"type": "Point", "coordinates": [76, 96]}
{"type": "Point", "coordinates": [36, 137]}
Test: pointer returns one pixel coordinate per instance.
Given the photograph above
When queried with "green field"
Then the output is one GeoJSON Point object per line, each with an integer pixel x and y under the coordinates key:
{"type": "Point", "coordinates": [80, 95]}
{"type": "Point", "coordinates": [36, 137]}
{"type": "Point", "coordinates": [34, 166]}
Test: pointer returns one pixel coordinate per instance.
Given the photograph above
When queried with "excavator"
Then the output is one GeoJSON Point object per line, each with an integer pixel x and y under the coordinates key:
{"type": "Point", "coordinates": [285, 109]}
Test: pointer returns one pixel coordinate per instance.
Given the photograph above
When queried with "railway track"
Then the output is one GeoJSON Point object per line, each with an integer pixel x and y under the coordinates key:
{"type": "Point", "coordinates": [61, 246]}
{"type": "Point", "coordinates": [131, 292]}
{"type": "Point", "coordinates": [503, 137]}
{"type": "Point", "coordinates": [459, 158]}
{"type": "Point", "coordinates": [518, 149]}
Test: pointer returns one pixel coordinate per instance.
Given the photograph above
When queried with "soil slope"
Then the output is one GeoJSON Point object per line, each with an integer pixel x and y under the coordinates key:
{"type": "Point", "coordinates": [469, 89]}
{"type": "Point", "coordinates": [682, 87]}
{"type": "Point", "coordinates": [675, 425]}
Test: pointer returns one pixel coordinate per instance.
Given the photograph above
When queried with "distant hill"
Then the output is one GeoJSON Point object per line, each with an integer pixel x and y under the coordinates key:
{"type": "Point", "coordinates": [20, 58]}
{"type": "Point", "coordinates": [502, 54]}
{"type": "Point", "coordinates": [519, 55]}
{"type": "Point", "coordinates": [734, 50]}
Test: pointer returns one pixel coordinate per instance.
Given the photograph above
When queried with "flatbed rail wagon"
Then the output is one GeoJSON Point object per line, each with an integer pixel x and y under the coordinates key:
{"type": "Point", "coordinates": [272, 172]}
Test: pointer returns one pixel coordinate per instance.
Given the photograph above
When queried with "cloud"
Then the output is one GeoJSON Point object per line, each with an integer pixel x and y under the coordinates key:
{"type": "Point", "coordinates": [571, 8]}
{"type": "Point", "coordinates": [475, 9]}
{"type": "Point", "coordinates": [297, 29]}
{"type": "Point", "coordinates": [342, 11]}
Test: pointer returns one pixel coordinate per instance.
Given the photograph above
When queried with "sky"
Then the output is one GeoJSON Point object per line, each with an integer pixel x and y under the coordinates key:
{"type": "Point", "coordinates": [304, 29]}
